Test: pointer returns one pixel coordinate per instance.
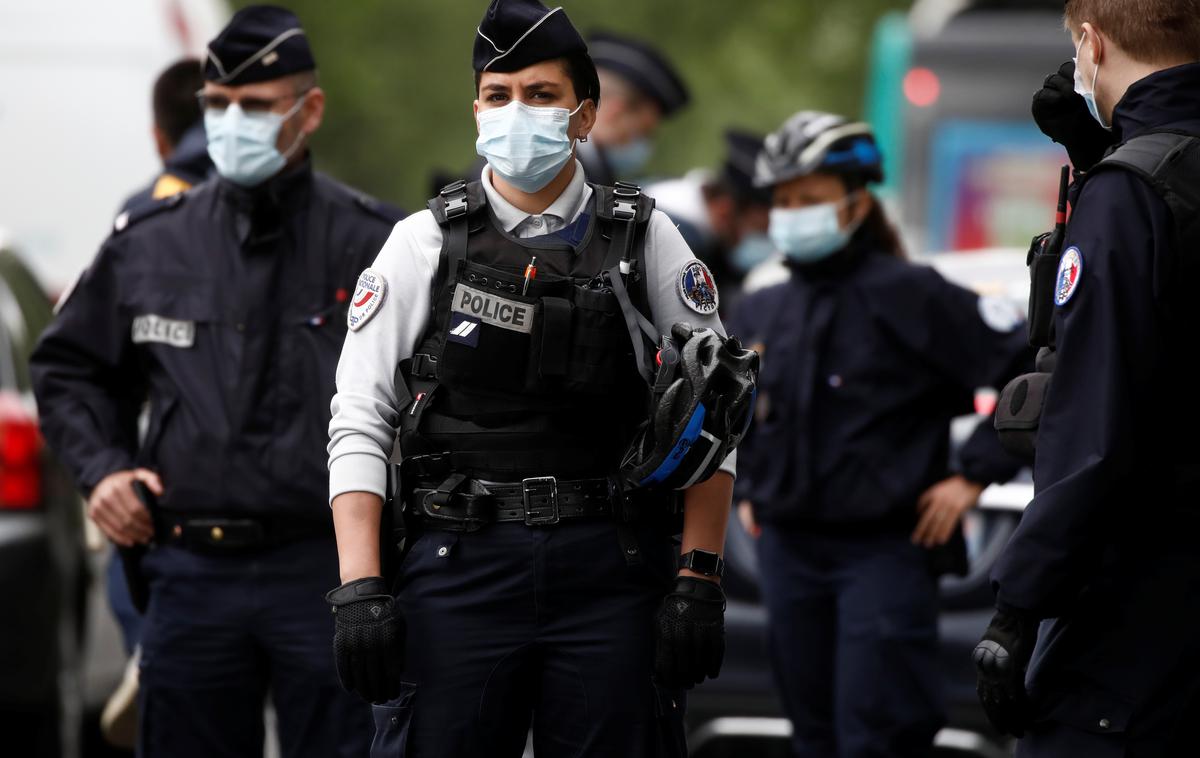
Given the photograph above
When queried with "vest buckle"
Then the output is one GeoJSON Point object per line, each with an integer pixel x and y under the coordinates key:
{"type": "Point", "coordinates": [455, 197]}
{"type": "Point", "coordinates": [540, 494]}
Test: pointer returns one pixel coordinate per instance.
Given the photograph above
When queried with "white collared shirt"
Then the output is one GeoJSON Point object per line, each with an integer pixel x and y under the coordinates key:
{"type": "Point", "coordinates": [367, 406]}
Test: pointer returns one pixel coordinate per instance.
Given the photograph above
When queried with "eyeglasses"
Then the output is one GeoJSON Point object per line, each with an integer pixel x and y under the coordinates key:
{"type": "Point", "coordinates": [250, 105]}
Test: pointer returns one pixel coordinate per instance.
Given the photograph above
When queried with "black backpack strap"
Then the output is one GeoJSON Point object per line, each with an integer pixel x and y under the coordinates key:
{"type": "Point", "coordinates": [627, 210]}
{"type": "Point", "coordinates": [1170, 163]}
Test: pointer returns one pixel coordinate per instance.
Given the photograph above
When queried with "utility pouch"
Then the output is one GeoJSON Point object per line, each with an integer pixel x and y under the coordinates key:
{"type": "Point", "coordinates": [1043, 260]}
{"type": "Point", "coordinates": [599, 343]}
{"type": "Point", "coordinates": [1019, 413]}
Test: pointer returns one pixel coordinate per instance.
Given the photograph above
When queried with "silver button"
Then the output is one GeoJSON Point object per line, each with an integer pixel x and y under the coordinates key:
{"type": "Point", "coordinates": [537, 222]}
{"type": "Point", "coordinates": [1105, 723]}
{"type": "Point", "coordinates": [835, 381]}
{"type": "Point", "coordinates": [443, 551]}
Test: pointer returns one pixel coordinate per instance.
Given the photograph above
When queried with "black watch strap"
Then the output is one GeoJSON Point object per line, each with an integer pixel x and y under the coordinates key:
{"type": "Point", "coordinates": [703, 562]}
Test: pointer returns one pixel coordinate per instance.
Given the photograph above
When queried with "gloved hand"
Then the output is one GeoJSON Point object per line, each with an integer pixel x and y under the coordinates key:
{"type": "Point", "coordinates": [368, 639]}
{"type": "Point", "coordinates": [1063, 116]}
{"type": "Point", "coordinates": [689, 633]}
{"type": "Point", "coordinates": [1002, 658]}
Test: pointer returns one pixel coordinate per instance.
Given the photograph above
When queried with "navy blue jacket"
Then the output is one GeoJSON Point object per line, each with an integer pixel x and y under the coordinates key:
{"type": "Point", "coordinates": [1109, 544]}
{"type": "Point", "coordinates": [866, 359]}
{"type": "Point", "coordinates": [226, 308]}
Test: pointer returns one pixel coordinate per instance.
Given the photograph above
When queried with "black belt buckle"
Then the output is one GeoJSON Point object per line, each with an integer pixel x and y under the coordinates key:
{"type": "Point", "coordinates": [540, 487]}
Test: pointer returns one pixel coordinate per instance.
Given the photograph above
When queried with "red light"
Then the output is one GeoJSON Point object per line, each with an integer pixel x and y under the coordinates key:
{"type": "Point", "coordinates": [921, 87]}
{"type": "Point", "coordinates": [20, 457]}
{"type": "Point", "coordinates": [985, 401]}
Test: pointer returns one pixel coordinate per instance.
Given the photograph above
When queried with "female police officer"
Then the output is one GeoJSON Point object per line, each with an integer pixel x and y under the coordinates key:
{"type": "Point", "coordinates": [866, 358]}
{"type": "Point", "coordinates": [530, 592]}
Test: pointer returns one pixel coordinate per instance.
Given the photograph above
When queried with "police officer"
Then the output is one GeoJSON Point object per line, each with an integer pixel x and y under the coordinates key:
{"type": "Point", "coordinates": [178, 133]}
{"type": "Point", "coordinates": [866, 359]}
{"type": "Point", "coordinates": [1105, 556]}
{"type": "Point", "coordinates": [641, 89]}
{"type": "Point", "coordinates": [224, 306]}
{"type": "Point", "coordinates": [532, 589]}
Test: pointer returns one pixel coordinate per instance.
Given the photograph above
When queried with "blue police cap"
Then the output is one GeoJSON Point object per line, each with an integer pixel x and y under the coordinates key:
{"type": "Point", "coordinates": [515, 34]}
{"type": "Point", "coordinates": [641, 65]}
{"type": "Point", "coordinates": [260, 42]}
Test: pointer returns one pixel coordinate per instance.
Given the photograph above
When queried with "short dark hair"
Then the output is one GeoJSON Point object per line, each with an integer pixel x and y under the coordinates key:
{"type": "Point", "coordinates": [580, 71]}
{"type": "Point", "coordinates": [1150, 31]}
{"type": "Point", "coordinates": [176, 108]}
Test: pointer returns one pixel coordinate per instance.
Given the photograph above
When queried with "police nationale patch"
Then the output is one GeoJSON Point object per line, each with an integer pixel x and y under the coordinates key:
{"type": "Point", "coordinates": [999, 313]}
{"type": "Point", "coordinates": [697, 289]}
{"type": "Point", "coordinates": [368, 297]}
{"type": "Point", "coordinates": [1070, 271]}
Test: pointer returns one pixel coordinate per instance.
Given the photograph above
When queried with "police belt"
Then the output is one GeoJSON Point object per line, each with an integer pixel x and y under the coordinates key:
{"type": "Point", "coordinates": [219, 534]}
{"type": "Point", "coordinates": [462, 502]}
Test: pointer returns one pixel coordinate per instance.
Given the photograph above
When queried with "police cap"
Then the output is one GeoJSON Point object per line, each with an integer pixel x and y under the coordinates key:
{"type": "Point", "coordinates": [260, 43]}
{"type": "Point", "coordinates": [641, 65]}
{"type": "Point", "coordinates": [515, 34]}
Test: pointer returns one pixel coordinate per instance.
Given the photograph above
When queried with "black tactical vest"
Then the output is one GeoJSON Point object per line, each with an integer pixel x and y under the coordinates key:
{"type": "Point", "coordinates": [527, 367]}
{"type": "Point", "coordinates": [1170, 163]}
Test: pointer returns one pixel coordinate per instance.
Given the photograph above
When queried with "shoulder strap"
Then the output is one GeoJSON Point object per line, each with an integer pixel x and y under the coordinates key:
{"type": "Point", "coordinates": [626, 208]}
{"type": "Point", "coordinates": [1170, 163]}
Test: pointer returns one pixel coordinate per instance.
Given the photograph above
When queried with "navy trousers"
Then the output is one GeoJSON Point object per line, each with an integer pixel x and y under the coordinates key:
{"type": "Point", "coordinates": [853, 640]}
{"type": "Point", "coordinates": [515, 627]}
{"type": "Point", "coordinates": [224, 631]}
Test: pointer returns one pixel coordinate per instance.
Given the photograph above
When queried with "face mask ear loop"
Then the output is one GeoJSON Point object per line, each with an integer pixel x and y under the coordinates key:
{"type": "Point", "coordinates": [287, 154]}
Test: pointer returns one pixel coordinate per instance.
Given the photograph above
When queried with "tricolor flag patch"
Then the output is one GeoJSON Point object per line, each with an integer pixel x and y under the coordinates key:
{"type": "Point", "coordinates": [1070, 272]}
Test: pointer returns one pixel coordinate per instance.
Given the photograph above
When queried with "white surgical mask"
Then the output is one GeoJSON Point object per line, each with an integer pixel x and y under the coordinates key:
{"type": "Point", "coordinates": [1088, 95]}
{"type": "Point", "coordinates": [807, 235]}
{"type": "Point", "coordinates": [526, 146]}
{"type": "Point", "coordinates": [242, 145]}
{"type": "Point", "coordinates": [628, 159]}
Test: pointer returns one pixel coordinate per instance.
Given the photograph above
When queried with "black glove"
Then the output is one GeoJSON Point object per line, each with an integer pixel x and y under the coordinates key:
{"type": "Point", "coordinates": [368, 639]}
{"type": "Point", "coordinates": [1063, 116]}
{"type": "Point", "coordinates": [1002, 658]}
{"type": "Point", "coordinates": [690, 633]}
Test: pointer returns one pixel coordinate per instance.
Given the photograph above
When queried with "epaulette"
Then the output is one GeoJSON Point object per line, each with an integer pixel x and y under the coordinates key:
{"type": "Point", "coordinates": [126, 219]}
{"type": "Point", "coordinates": [386, 211]}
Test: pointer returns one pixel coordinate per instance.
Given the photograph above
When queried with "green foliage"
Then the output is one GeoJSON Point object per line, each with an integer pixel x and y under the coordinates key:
{"type": "Point", "coordinates": [399, 81]}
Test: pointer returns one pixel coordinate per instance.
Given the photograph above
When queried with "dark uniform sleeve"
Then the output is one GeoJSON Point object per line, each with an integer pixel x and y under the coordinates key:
{"type": "Point", "coordinates": [85, 379]}
{"type": "Point", "coordinates": [745, 322]}
{"type": "Point", "coordinates": [972, 342]}
{"type": "Point", "coordinates": [1108, 346]}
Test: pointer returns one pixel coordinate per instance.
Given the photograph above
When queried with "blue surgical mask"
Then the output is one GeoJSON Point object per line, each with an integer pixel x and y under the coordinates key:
{"type": "Point", "coordinates": [242, 145]}
{"type": "Point", "coordinates": [751, 251]}
{"type": "Point", "coordinates": [1088, 95]}
{"type": "Point", "coordinates": [628, 159]}
{"type": "Point", "coordinates": [526, 146]}
{"type": "Point", "coordinates": [807, 235]}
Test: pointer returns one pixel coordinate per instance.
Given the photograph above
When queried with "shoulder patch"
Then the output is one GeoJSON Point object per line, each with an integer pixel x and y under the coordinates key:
{"type": "Point", "coordinates": [697, 289]}
{"type": "Point", "coordinates": [127, 218]}
{"type": "Point", "coordinates": [999, 313]}
{"type": "Point", "coordinates": [1070, 272]}
{"type": "Point", "coordinates": [368, 297]}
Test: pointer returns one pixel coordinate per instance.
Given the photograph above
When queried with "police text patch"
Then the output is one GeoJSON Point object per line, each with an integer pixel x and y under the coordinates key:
{"type": "Point", "coordinates": [697, 289]}
{"type": "Point", "coordinates": [492, 309]}
{"type": "Point", "coordinates": [165, 331]}
{"type": "Point", "coordinates": [1070, 271]}
{"type": "Point", "coordinates": [368, 296]}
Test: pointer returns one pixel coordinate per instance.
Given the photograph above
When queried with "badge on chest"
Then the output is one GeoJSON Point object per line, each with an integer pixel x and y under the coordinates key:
{"type": "Point", "coordinates": [492, 309]}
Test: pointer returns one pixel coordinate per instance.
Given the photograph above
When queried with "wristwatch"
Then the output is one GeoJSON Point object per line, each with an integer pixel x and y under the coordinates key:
{"type": "Point", "coordinates": [703, 562]}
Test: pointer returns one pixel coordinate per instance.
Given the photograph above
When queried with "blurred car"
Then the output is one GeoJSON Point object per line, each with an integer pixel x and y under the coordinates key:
{"type": "Point", "coordinates": [739, 713]}
{"type": "Point", "coordinates": [42, 566]}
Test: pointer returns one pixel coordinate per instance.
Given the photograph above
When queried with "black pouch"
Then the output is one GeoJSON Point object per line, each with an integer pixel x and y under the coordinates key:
{"type": "Point", "coordinates": [600, 354]}
{"type": "Point", "coordinates": [491, 335]}
{"type": "Point", "coordinates": [1019, 413]}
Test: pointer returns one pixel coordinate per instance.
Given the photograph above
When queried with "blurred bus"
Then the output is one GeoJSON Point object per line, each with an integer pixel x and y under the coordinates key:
{"type": "Point", "coordinates": [949, 96]}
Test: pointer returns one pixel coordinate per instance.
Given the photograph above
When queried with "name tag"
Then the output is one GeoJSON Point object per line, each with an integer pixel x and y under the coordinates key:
{"type": "Point", "coordinates": [165, 331]}
{"type": "Point", "coordinates": [493, 309]}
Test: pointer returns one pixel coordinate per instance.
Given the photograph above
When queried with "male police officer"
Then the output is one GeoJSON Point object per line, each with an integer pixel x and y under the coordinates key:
{"type": "Point", "coordinates": [530, 591]}
{"type": "Point", "coordinates": [225, 306]}
{"type": "Point", "coordinates": [641, 88]}
{"type": "Point", "coordinates": [178, 133]}
{"type": "Point", "coordinates": [1106, 552]}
